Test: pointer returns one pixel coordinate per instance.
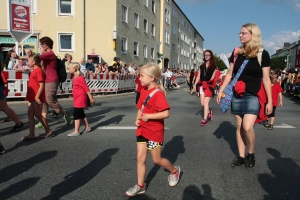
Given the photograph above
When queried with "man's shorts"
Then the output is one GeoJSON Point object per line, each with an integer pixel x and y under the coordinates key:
{"type": "Point", "coordinates": [150, 144]}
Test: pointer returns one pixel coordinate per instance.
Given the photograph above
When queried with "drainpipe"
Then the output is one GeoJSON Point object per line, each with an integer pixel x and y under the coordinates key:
{"type": "Point", "coordinates": [84, 54]}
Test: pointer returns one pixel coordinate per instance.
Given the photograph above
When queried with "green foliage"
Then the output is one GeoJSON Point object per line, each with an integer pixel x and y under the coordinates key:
{"type": "Point", "coordinates": [220, 64]}
{"type": "Point", "coordinates": [278, 63]}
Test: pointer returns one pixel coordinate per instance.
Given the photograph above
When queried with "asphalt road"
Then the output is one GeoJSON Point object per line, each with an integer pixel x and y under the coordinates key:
{"type": "Point", "coordinates": [102, 164]}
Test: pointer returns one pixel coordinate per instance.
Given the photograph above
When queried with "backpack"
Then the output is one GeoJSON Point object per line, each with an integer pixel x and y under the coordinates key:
{"type": "Point", "coordinates": [61, 71]}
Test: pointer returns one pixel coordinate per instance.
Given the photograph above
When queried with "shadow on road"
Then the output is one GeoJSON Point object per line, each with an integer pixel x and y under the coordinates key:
{"type": "Point", "coordinates": [284, 182]}
{"type": "Point", "coordinates": [192, 192]}
{"type": "Point", "coordinates": [18, 188]}
{"type": "Point", "coordinates": [114, 120]}
{"type": "Point", "coordinates": [170, 151]}
{"type": "Point", "coordinates": [227, 131]}
{"type": "Point", "coordinates": [16, 169]}
{"type": "Point", "coordinates": [82, 176]}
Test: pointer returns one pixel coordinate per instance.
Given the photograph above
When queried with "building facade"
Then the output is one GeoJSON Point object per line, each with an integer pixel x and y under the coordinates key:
{"type": "Point", "coordinates": [134, 30]}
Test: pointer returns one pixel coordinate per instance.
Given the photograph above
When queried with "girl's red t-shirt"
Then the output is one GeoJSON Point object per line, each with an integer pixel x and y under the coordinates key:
{"type": "Point", "coordinates": [153, 129]}
{"type": "Point", "coordinates": [80, 89]}
{"type": "Point", "coordinates": [35, 77]}
{"type": "Point", "coordinates": [276, 89]}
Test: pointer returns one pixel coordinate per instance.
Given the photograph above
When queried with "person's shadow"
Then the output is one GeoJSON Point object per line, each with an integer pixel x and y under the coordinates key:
{"type": "Point", "coordinates": [228, 132]}
{"type": "Point", "coordinates": [192, 192]}
{"type": "Point", "coordinates": [16, 169]}
{"type": "Point", "coordinates": [284, 183]}
{"type": "Point", "coordinates": [82, 176]}
{"type": "Point", "coordinates": [170, 151]}
{"type": "Point", "coordinates": [18, 187]}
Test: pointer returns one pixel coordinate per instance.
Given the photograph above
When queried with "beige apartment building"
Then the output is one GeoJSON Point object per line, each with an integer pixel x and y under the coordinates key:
{"type": "Point", "coordinates": [133, 30]}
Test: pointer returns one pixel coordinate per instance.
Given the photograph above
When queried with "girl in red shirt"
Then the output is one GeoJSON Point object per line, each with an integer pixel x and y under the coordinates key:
{"type": "Point", "coordinates": [153, 108]}
{"type": "Point", "coordinates": [80, 94]}
{"type": "Point", "coordinates": [36, 97]}
{"type": "Point", "coordinates": [276, 92]}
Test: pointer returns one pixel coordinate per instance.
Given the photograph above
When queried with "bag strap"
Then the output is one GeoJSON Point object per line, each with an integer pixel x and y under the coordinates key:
{"type": "Point", "coordinates": [236, 77]}
{"type": "Point", "coordinates": [235, 54]}
{"type": "Point", "coordinates": [148, 98]}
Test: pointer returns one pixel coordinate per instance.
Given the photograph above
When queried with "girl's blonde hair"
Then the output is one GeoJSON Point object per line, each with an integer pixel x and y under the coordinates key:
{"type": "Point", "coordinates": [252, 47]}
{"type": "Point", "coordinates": [76, 67]}
{"type": "Point", "coordinates": [153, 70]}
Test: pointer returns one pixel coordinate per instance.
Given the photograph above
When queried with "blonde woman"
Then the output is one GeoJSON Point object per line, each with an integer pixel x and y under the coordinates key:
{"type": "Point", "coordinates": [80, 94]}
{"type": "Point", "coordinates": [83, 67]}
{"type": "Point", "coordinates": [246, 107]}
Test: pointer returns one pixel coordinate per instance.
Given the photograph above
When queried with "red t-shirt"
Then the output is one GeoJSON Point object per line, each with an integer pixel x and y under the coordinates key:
{"type": "Point", "coordinates": [80, 89]}
{"type": "Point", "coordinates": [276, 89]}
{"type": "Point", "coordinates": [153, 129]}
{"type": "Point", "coordinates": [35, 77]}
{"type": "Point", "coordinates": [138, 82]}
{"type": "Point", "coordinates": [49, 62]}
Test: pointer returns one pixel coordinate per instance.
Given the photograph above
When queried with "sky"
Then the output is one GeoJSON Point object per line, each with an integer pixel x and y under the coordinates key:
{"type": "Point", "coordinates": [220, 21]}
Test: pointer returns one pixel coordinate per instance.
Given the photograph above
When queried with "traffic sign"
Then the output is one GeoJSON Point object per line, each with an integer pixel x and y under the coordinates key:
{"type": "Point", "coordinates": [19, 19]}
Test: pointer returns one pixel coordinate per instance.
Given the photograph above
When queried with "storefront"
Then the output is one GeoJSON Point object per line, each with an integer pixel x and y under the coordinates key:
{"type": "Point", "coordinates": [8, 43]}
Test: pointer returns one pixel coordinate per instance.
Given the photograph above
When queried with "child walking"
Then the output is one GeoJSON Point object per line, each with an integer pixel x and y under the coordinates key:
{"type": "Point", "coordinates": [276, 92]}
{"type": "Point", "coordinates": [36, 97]}
{"type": "Point", "coordinates": [80, 94]}
{"type": "Point", "coordinates": [153, 108]}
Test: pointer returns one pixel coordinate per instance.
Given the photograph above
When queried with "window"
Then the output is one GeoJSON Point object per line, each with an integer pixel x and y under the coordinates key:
{"type": "Point", "coordinates": [33, 7]}
{"type": "Point", "coordinates": [65, 7]}
{"type": "Point", "coordinates": [146, 3]}
{"type": "Point", "coordinates": [175, 13]}
{"type": "Point", "coordinates": [66, 41]}
{"type": "Point", "coordinates": [145, 26]}
{"type": "Point", "coordinates": [124, 14]}
{"type": "Point", "coordinates": [152, 53]}
{"type": "Point", "coordinates": [123, 45]}
{"type": "Point", "coordinates": [153, 6]}
{"type": "Point", "coordinates": [136, 48]}
{"type": "Point", "coordinates": [145, 51]}
{"type": "Point", "coordinates": [174, 30]}
{"type": "Point", "coordinates": [167, 16]}
{"type": "Point", "coordinates": [153, 30]}
{"type": "Point", "coordinates": [167, 37]}
{"type": "Point", "coordinates": [136, 20]}
{"type": "Point", "coordinates": [174, 47]}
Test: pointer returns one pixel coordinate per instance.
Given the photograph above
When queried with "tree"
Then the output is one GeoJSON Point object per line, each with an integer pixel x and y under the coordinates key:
{"type": "Point", "coordinates": [220, 64]}
{"type": "Point", "coordinates": [278, 63]}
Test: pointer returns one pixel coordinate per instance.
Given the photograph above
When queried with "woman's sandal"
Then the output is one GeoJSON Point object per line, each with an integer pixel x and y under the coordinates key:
{"type": "Point", "coordinates": [26, 138]}
{"type": "Point", "coordinates": [267, 123]}
{"type": "Point", "coordinates": [271, 127]}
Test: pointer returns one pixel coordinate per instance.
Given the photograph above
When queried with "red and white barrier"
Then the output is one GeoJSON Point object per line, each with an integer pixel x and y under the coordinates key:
{"type": "Point", "coordinates": [17, 83]}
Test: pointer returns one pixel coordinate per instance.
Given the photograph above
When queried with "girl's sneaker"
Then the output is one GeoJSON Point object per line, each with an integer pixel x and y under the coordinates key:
{"type": "Point", "coordinates": [131, 192]}
{"type": "Point", "coordinates": [174, 178]}
{"type": "Point", "coordinates": [203, 122]}
{"type": "Point", "coordinates": [237, 161]}
{"type": "Point", "coordinates": [250, 161]}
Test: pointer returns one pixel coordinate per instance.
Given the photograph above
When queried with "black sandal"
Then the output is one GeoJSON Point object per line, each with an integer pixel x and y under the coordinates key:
{"type": "Point", "coordinates": [267, 123]}
{"type": "Point", "coordinates": [271, 127]}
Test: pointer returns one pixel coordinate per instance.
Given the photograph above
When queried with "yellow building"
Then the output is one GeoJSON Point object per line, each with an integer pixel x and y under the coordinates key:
{"type": "Point", "coordinates": [133, 30]}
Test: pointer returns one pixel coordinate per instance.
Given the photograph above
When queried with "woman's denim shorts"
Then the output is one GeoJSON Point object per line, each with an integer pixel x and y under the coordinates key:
{"type": "Point", "coordinates": [247, 104]}
{"type": "Point", "coordinates": [2, 96]}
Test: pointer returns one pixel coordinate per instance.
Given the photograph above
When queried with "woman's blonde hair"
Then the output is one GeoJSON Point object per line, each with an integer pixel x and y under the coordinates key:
{"type": "Point", "coordinates": [153, 70]}
{"type": "Point", "coordinates": [82, 61]}
{"type": "Point", "coordinates": [252, 47]}
{"type": "Point", "coordinates": [76, 67]}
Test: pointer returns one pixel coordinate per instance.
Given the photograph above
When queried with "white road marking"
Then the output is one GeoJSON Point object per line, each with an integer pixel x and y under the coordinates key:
{"type": "Point", "coordinates": [120, 127]}
{"type": "Point", "coordinates": [284, 126]}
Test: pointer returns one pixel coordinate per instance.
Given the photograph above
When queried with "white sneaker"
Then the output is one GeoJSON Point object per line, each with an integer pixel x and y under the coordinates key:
{"type": "Point", "coordinates": [135, 190]}
{"type": "Point", "coordinates": [174, 178]}
{"type": "Point", "coordinates": [73, 134]}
